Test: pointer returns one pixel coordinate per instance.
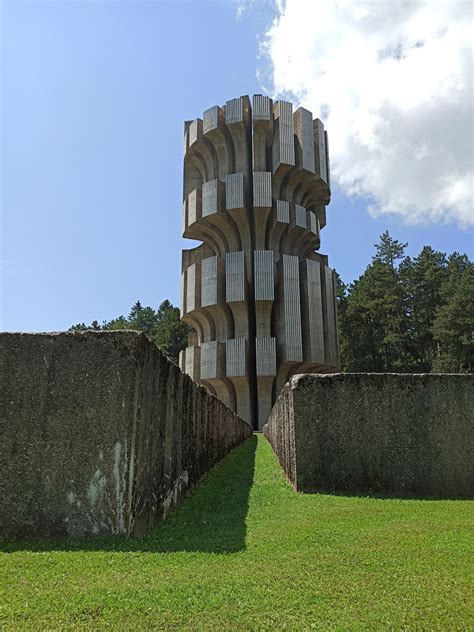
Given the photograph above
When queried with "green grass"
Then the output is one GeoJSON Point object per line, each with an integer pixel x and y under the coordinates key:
{"type": "Point", "coordinates": [245, 552]}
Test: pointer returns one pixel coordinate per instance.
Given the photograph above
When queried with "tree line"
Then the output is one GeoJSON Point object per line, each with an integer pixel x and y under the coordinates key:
{"type": "Point", "coordinates": [163, 326]}
{"type": "Point", "coordinates": [408, 314]}
{"type": "Point", "coordinates": [403, 314]}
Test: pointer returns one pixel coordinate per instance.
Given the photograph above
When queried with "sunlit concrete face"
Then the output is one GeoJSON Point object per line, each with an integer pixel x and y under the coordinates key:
{"type": "Point", "coordinates": [259, 297]}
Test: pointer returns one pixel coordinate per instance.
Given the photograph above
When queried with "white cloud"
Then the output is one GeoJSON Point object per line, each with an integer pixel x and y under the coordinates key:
{"type": "Point", "coordinates": [393, 83]}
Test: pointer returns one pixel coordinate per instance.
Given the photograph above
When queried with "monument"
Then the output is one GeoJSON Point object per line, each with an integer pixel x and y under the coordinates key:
{"type": "Point", "coordinates": [260, 299]}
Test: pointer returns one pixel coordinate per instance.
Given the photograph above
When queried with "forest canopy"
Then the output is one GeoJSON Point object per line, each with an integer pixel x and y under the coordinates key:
{"type": "Point", "coordinates": [408, 314]}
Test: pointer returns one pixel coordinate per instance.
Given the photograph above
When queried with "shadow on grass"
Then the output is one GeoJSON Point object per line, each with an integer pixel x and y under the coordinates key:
{"type": "Point", "coordinates": [211, 519]}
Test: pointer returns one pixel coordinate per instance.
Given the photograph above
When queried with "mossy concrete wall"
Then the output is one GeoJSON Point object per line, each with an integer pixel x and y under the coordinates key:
{"type": "Point", "coordinates": [100, 433]}
{"type": "Point", "coordinates": [387, 433]}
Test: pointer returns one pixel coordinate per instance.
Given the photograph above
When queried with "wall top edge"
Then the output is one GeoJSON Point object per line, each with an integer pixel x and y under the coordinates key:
{"type": "Point", "coordinates": [295, 381]}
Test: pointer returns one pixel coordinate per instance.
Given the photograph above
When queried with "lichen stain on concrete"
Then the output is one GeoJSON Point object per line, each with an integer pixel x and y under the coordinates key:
{"type": "Point", "coordinates": [172, 496]}
{"type": "Point", "coordinates": [76, 490]}
{"type": "Point", "coordinates": [96, 488]}
{"type": "Point", "coordinates": [120, 485]}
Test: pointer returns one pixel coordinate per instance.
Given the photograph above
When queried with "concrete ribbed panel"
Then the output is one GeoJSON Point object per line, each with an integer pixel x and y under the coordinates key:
{"type": "Point", "coordinates": [191, 298]}
{"type": "Point", "coordinates": [192, 361]}
{"type": "Point", "coordinates": [236, 357]}
{"type": "Point", "coordinates": [292, 308]}
{"type": "Point", "coordinates": [313, 223]}
{"type": "Point", "coordinates": [303, 120]}
{"type": "Point", "coordinates": [315, 312]}
{"type": "Point", "coordinates": [186, 137]}
{"type": "Point", "coordinates": [194, 131]}
{"type": "Point", "coordinates": [287, 131]}
{"type": "Point", "coordinates": [282, 211]}
{"type": "Point", "coordinates": [300, 216]}
{"type": "Point", "coordinates": [212, 356]}
{"type": "Point", "coordinates": [328, 167]}
{"type": "Point", "coordinates": [234, 191]}
{"type": "Point", "coordinates": [183, 293]}
{"type": "Point", "coordinates": [194, 206]}
{"type": "Point", "coordinates": [211, 119]}
{"type": "Point", "coordinates": [235, 276]}
{"type": "Point", "coordinates": [209, 360]}
{"type": "Point", "coordinates": [320, 150]}
{"type": "Point", "coordinates": [265, 356]}
{"type": "Point", "coordinates": [185, 216]}
{"type": "Point", "coordinates": [264, 275]}
{"type": "Point", "coordinates": [283, 142]}
{"type": "Point", "coordinates": [262, 189]}
{"type": "Point", "coordinates": [261, 108]}
{"type": "Point", "coordinates": [234, 111]}
{"type": "Point", "coordinates": [331, 333]}
{"type": "Point", "coordinates": [213, 197]}
{"type": "Point", "coordinates": [209, 281]}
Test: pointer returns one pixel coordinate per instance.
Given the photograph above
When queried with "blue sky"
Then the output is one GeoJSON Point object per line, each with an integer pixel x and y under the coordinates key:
{"type": "Point", "coordinates": [93, 98]}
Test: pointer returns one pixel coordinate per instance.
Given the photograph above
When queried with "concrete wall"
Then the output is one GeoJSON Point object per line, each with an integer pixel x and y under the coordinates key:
{"type": "Point", "coordinates": [100, 433]}
{"type": "Point", "coordinates": [388, 433]}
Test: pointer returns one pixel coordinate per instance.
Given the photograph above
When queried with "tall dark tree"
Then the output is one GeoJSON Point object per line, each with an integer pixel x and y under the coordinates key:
{"type": "Point", "coordinates": [423, 279]}
{"type": "Point", "coordinates": [375, 314]}
{"type": "Point", "coordinates": [453, 326]}
{"type": "Point", "coordinates": [171, 332]}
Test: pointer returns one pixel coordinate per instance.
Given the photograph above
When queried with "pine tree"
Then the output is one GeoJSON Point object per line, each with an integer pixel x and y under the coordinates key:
{"type": "Point", "coordinates": [453, 326]}
{"type": "Point", "coordinates": [171, 333]}
{"type": "Point", "coordinates": [423, 279]}
{"type": "Point", "coordinates": [375, 316]}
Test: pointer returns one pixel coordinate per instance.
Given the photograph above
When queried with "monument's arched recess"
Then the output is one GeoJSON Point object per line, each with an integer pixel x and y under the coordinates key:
{"type": "Point", "coordinates": [261, 301]}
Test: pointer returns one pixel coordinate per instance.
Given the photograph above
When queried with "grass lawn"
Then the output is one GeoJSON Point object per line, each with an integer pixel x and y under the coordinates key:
{"type": "Point", "coordinates": [245, 552]}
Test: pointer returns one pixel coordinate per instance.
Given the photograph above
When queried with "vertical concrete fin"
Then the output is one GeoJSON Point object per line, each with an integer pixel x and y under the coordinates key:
{"type": "Point", "coordinates": [303, 120]}
{"type": "Point", "coordinates": [283, 142]}
{"type": "Point", "coordinates": [235, 276]}
{"type": "Point", "coordinates": [191, 283]}
{"type": "Point", "coordinates": [234, 111]}
{"type": "Point", "coordinates": [213, 197]}
{"type": "Point", "coordinates": [314, 317]}
{"type": "Point", "coordinates": [262, 189]}
{"type": "Point", "coordinates": [234, 191]}
{"type": "Point", "coordinates": [292, 308]}
{"type": "Point", "coordinates": [209, 281]}
{"type": "Point", "coordinates": [330, 312]}
{"type": "Point", "coordinates": [264, 275]}
{"type": "Point", "coordinates": [320, 150]}
{"type": "Point", "coordinates": [236, 357]}
{"type": "Point", "coordinates": [261, 108]}
{"type": "Point", "coordinates": [283, 211]}
{"type": "Point", "coordinates": [266, 356]}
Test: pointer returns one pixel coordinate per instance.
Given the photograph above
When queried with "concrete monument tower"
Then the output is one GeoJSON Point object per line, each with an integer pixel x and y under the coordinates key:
{"type": "Point", "coordinates": [260, 299]}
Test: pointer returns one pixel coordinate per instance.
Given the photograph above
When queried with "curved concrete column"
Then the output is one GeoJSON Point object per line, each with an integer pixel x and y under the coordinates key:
{"type": "Point", "coordinates": [261, 299]}
{"type": "Point", "coordinates": [215, 130]}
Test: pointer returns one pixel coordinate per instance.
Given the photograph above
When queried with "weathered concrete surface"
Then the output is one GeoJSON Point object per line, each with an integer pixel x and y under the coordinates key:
{"type": "Point", "coordinates": [100, 433]}
{"type": "Point", "coordinates": [374, 432]}
{"type": "Point", "coordinates": [260, 299]}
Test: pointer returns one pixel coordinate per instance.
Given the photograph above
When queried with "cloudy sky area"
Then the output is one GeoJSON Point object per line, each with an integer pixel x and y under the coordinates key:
{"type": "Point", "coordinates": [94, 95]}
{"type": "Point", "coordinates": [394, 83]}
